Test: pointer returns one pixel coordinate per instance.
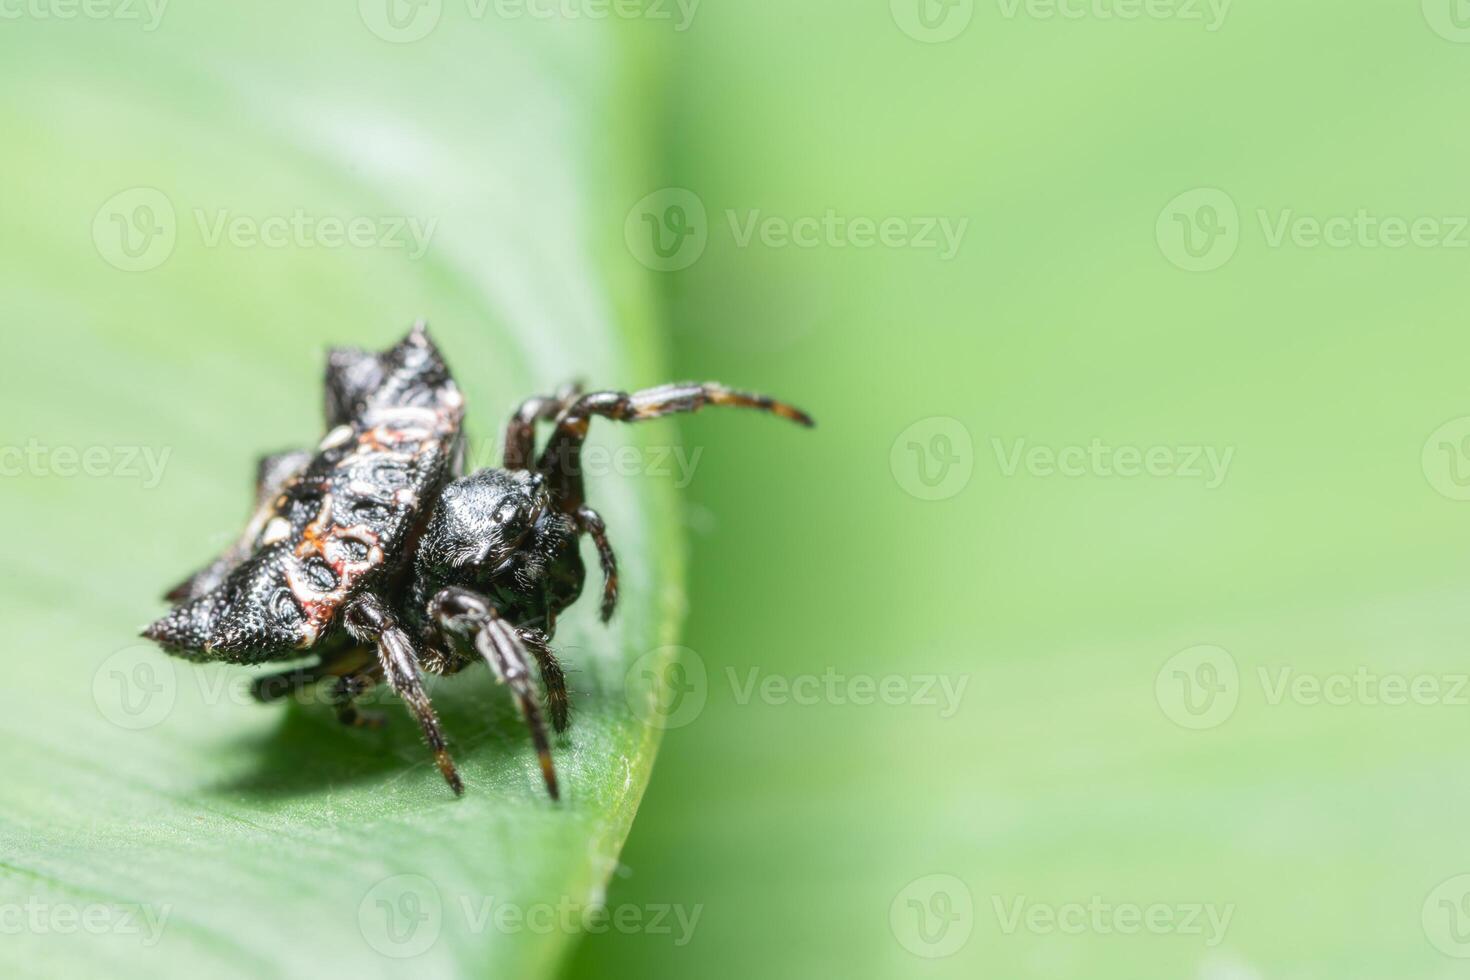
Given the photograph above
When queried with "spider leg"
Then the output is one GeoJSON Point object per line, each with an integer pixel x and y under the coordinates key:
{"type": "Point", "coordinates": [369, 621]}
{"type": "Point", "coordinates": [349, 688]}
{"type": "Point", "coordinates": [561, 460]}
{"type": "Point", "coordinates": [520, 432]}
{"type": "Point", "coordinates": [553, 678]}
{"type": "Point", "coordinates": [340, 661]}
{"type": "Point", "coordinates": [590, 523]}
{"type": "Point", "coordinates": [357, 671]}
{"type": "Point", "coordinates": [286, 684]}
{"type": "Point", "coordinates": [470, 618]}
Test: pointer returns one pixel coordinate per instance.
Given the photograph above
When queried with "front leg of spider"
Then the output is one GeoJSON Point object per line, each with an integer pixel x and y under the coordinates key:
{"type": "Point", "coordinates": [520, 432]}
{"type": "Point", "coordinates": [369, 621]}
{"type": "Point", "coordinates": [561, 460]}
{"type": "Point", "coordinates": [589, 522]}
{"type": "Point", "coordinates": [469, 621]}
{"type": "Point", "coordinates": [553, 678]}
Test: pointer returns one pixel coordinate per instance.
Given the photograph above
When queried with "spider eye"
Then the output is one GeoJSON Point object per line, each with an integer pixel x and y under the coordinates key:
{"type": "Point", "coordinates": [507, 514]}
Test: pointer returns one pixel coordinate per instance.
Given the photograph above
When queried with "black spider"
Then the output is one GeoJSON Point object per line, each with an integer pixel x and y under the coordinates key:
{"type": "Point", "coordinates": [375, 554]}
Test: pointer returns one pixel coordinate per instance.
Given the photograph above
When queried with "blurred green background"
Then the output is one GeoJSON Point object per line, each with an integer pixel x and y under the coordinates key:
{"type": "Point", "coordinates": [1322, 826]}
{"type": "Point", "coordinates": [1110, 625]}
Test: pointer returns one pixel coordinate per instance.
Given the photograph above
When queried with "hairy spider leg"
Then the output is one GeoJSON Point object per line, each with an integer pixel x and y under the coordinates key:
{"type": "Point", "coordinates": [369, 621]}
{"type": "Point", "coordinates": [471, 618]}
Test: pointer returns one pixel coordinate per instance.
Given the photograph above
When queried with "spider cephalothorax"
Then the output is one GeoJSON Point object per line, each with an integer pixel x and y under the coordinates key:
{"type": "Point", "coordinates": [499, 532]}
{"type": "Point", "coordinates": [378, 557]}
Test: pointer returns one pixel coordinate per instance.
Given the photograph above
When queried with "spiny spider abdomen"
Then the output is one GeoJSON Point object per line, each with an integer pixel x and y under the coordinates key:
{"type": "Point", "coordinates": [378, 557]}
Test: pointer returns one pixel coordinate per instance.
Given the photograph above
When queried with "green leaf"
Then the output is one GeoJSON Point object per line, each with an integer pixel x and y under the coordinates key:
{"type": "Point", "coordinates": [154, 821]}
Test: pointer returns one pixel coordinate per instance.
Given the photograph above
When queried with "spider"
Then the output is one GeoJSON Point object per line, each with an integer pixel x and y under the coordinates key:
{"type": "Point", "coordinates": [379, 558]}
